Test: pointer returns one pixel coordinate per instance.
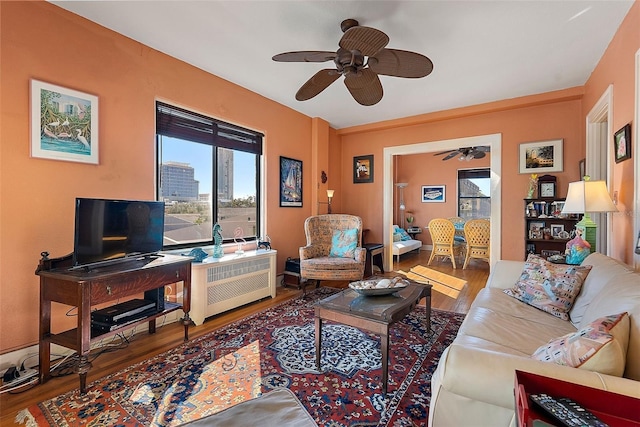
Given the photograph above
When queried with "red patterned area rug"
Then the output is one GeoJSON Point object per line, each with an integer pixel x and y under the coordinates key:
{"type": "Point", "coordinates": [268, 350]}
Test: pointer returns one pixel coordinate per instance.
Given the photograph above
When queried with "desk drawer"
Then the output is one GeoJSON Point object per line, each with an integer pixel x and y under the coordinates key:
{"type": "Point", "coordinates": [137, 282]}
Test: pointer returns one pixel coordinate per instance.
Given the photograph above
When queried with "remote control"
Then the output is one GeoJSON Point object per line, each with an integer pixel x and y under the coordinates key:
{"type": "Point", "coordinates": [566, 411]}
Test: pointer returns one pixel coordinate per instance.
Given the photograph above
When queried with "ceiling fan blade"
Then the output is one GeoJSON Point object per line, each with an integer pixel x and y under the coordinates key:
{"type": "Point", "coordinates": [477, 154]}
{"type": "Point", "coordinates": [365, 39]}
{"type": "Point", "coordinates": [451, 155]}
{"type": "Point", "coordinates": [316, 84]}
{"type": "Point", "coordinates": [444, 152]}
{"type": "Point", "coordinates": [400, 63]}
{"type": "Point", "coordinates": [365, 87]}
{"type": "Point", "coordinates": [305, 56]}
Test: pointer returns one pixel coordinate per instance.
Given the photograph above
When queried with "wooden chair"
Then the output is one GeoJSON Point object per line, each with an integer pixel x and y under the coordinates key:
{"type": "Point", "coordinates": [442, 236]}
{"type": "Point", "coordinates": [320, 259]}
{"type": "Point", "coordinates": [478, 236]}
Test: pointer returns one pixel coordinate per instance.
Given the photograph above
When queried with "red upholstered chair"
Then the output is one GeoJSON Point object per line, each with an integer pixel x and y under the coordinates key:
{"type": "Point", "coordinates": [333, 250]}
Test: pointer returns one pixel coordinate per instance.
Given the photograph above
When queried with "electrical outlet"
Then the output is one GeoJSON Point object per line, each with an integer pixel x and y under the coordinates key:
{"type": "Point", "coordinates": [19, 376]}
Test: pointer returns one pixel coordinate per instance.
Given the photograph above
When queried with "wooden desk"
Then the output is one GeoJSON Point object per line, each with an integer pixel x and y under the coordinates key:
{"type": "Point", "coordinates": [84, 288]}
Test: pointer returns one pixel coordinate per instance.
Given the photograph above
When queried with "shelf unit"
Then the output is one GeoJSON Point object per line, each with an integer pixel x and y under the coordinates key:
{"type": "Point", "coordinates": [543, 214]}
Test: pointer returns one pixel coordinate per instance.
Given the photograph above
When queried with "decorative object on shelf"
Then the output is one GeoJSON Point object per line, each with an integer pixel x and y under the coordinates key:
{"type": "Point", "coordinates": [265, 243]}
{"type": "Point", "coordinates": [533, 182]}
{"type": "Point", "coordinates": [363, 169]}
{"type": "Point", "coordinates": [217, 240]}
{"type": "Point", "coordinates": [198, 254]}
{"type": "Point", "coordinates": [622, 143]}
{"type": "Point", "coordinates": [582, 167]}
{"type": "Point", "coordinates": [239, 240]}
{"type": "Point", "coordinates": [585, 197]}
{"type": "Point", "coordinates": [556, 229]}
{"type": "Point", "coordinates": [410, 219]}
{"type": "Point", "coordinates": [64, 123]}
{"type": "Point", "coordinates": [537, 157]}
{"type": "Point", "coordinates": [547, 185]}
{"type": "Point", "coordinates": [433, 194]}
{"type": "Point", "coordinates": [577, 250]}
{"type": "Point", "coordinates": [290, 182]}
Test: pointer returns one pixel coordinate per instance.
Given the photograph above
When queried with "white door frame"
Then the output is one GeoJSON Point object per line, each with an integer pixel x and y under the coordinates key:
{"type": "Point", "coordinates": [494, 141]}
{"type": "Point", "coordinates": [599, 149]}
{"type": "Point", "coordinates": [636, 170]}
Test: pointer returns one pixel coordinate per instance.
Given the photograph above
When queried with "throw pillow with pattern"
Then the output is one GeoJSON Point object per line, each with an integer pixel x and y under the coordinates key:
{"type": "Point", "coordinates": [344, 243]}
{"type": "Point", "coordinates": [549, 287]}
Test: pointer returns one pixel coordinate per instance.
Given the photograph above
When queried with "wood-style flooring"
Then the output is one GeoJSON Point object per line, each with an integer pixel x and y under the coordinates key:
{"type": "Point", "coordinates": [143, 345]}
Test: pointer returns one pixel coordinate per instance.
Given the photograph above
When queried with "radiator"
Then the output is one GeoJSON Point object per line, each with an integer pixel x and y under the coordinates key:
{"type": "Point", "coordinates": [219, 285]}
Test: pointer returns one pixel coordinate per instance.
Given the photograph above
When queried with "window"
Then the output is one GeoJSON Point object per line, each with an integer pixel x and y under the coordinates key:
{"type": "Point", "coordinates": [208, 172]}
{"type": "Point", "coordinates": [474, 193]}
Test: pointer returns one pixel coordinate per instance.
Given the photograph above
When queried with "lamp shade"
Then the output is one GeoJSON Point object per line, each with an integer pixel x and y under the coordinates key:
{"type": "Point", "coordinates": [588, 196]}
{"type": "Point", "coordinates": [330, 193]}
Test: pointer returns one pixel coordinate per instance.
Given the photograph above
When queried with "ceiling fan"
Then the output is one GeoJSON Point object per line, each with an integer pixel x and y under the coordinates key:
{"type": "Point", "coordinates": [466, 153]}
{"type": "Point", "coordinates": [361, 56]}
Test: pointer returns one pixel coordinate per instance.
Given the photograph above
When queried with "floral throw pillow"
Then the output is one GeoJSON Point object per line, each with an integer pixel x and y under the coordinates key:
{"type": "Point", "coordinates": [600, 346]}
{"type": "Point", "coordinates": [549, 287]}
{"type": "Point", "coordinates": [344, 243]}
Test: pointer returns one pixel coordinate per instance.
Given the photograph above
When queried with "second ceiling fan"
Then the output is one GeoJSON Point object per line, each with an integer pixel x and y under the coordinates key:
{"type": "Point", "coordinates": [360, 58]}
{"type": "Point", "coordinates": [466, 153]}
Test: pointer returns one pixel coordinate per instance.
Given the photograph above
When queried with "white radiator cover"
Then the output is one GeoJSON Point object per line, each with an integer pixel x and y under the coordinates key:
{"type": "Point", "coordinates": [221, 284]}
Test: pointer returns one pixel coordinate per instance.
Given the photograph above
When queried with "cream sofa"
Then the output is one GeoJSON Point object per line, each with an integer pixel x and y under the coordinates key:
{"type": "Point", "coordinates": [473, 384]}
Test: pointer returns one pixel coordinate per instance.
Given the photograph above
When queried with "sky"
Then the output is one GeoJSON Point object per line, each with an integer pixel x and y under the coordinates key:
{"type": "Point", "coordinates": [199, 157]}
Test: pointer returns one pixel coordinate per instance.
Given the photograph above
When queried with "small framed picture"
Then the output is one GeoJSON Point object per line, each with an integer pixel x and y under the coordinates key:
{"type": "Point", "coordinates": [64, 123]}
{"type": "Point", "coordinates": [546, 253]}
{"type": "Point", "coordinates": [556, 230]}
{"type": "Point", "coordinates": [363, 169]}
{"type": "Point", "coordinates": [541, 157]}
{"type": "Point", "coordinates": [536, 230]}
{"type": "Point", "coordinates": [433, 194]}
{"type": "Point", "coordinates": [622, 143]}
{"type": "Point", "coordinates": [290, 182]}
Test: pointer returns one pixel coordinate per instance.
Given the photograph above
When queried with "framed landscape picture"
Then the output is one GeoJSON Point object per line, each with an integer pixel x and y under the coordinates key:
{"type": "Point", "coordinates": [64, 123]}
{"type": "Point", "coordinates": [541, 157]}
{"type": "Point", "coordinates": [290, 182]}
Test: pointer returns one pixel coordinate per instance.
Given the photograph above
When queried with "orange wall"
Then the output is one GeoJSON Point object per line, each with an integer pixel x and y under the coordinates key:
{"type": "Point", "coordinates": [617, 68]}
{"type": "Point", "coordinates": [426, 169]}
{"type": "Point", "coordinates": [44, 42]}
{"type": "Point", "coordinates": [552, 116]}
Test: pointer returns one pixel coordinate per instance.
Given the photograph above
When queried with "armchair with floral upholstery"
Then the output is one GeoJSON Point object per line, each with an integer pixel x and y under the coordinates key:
{"type": "Point", "coordinates": [333, 250]}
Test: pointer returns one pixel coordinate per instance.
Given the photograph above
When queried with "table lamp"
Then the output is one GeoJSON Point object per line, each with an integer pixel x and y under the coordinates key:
{"type": "Point", "coordinates": [329, 196]}
{"type": "Point", "coordinates": [584, 197]}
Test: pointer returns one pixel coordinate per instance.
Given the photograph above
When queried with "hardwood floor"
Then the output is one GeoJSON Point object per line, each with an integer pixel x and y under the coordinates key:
{"type": "Point", "coordinates": [143, 345]}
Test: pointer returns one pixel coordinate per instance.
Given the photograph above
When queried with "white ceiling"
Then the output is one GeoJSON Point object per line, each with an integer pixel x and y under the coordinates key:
{"type": "Point", "coordinates": [482, 50]}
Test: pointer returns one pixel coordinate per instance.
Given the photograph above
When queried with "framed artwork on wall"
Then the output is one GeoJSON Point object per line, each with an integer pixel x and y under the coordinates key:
{"type": "Point", "coordinates": [433, 194]}
{"type": "Point", "coordinates": [541, 157]}
{"type": "Point", "coordinates": [290, 182]}
{"type": "Point", "coordinates": [622, 143]}
{"type": "Point", "coordinates": [363, 169]}
{"type": "Point", "coordinates": [64, 123]}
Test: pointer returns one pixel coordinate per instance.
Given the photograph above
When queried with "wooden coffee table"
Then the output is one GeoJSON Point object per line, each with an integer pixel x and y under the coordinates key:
{"type": "Point", "coordinates": [371, 313]}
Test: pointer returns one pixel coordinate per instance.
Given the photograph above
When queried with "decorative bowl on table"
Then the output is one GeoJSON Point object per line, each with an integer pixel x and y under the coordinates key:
{"type": "Point", "coordinates": [379, 286]}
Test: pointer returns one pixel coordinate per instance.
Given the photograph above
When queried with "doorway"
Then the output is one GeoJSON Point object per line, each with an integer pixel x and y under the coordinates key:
{"type": "Point", "coordinates": [494, 141]}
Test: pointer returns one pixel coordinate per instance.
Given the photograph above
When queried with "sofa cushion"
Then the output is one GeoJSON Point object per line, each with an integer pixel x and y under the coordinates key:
{"type": "Point", "coordinates": [549, 287]}
{"type": "Point", "coordinates": [504, 324]}
{"type": "Point", "coordinates": [620, 293]}
{"type": "Point", "coordinates": [344, 243]}
{"type": "Point", "coordinates": [601, 346]}
{"type": "Point", "coordinates": [603, 269]}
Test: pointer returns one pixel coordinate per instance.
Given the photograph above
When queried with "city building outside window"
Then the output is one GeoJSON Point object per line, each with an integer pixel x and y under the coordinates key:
{"type": "Point", "coordinates": [208, 172]}
{"type": "Point", "coordinates": [474, 193]}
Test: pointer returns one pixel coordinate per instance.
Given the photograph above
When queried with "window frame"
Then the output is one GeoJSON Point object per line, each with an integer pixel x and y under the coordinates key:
{"type": "Point", "coordinates": [470, 174]}
{"type": "Point", "coordinates": [192, 127]}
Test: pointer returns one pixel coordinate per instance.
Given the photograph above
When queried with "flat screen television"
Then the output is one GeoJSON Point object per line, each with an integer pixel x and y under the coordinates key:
{"type": "Point", "coordinates": [113, 230]}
